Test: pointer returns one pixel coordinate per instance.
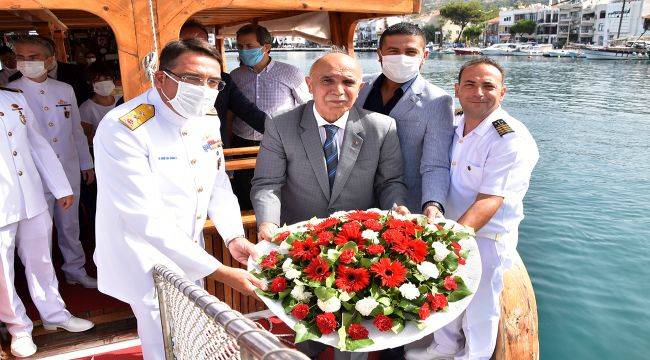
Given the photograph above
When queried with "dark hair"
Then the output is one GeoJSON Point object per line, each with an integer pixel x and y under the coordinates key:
{"type": "Point", "coordinates": [4, 49]}
{"type": "Point", "coordinates": [98, 69]}
{"type": "Point", "coordinates": [261, 33]}
{"type": "Point", "coordinates": [176, 48]}
{"type": "Point", "coordinates": [193, 24]}
{"type": "Point", "coordinates": [43, 42]}
{"type": "Point", "coordinates": [402, 28]}
{"type": "Point", "coordinates": [479, 61]}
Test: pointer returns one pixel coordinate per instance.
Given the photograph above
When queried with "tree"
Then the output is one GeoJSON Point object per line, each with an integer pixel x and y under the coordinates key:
{"type": "Point", "coordinates": [523, 27]}
{"type": "Point", "coordinates": [430, 33]}
{"type": "Point", "coordinates": [462, 13]}
{"type": "Point", "coordinates": [472, 32]}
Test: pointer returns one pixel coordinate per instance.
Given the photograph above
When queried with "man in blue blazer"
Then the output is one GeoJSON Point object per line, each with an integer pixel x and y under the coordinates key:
{"type": "Point", "coordinates": [423, 112]}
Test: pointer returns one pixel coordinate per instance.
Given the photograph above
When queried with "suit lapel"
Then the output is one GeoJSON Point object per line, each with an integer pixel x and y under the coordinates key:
{"type": "Point", "coordinates": [348, 153]}
{"type": "Point", "coordinates": [313, 147]}
{"type": "Point", "coordinates": [409, 100]}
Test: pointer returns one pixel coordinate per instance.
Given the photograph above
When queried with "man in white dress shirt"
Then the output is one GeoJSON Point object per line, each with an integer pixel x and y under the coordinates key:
{"type": "Point", "coordinates": [492, 159]}
{"type": "Point", "coordinates": [57, 117]}
{"type": "Point", "coordinates": [26, 225]}
{"type": "Point", "coordinates": [160, 171]}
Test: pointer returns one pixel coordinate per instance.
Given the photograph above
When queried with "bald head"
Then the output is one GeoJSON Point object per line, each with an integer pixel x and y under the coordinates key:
{"type": "Point", "coordinates": [334, 81]}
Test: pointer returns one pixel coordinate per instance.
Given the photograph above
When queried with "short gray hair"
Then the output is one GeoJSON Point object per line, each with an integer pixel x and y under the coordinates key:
{"type": "Point", "coordinates": [44, 43]}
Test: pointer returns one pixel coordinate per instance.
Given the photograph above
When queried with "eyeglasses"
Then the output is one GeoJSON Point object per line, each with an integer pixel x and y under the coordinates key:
{"type": "Point", "coordinates": [213, 83]}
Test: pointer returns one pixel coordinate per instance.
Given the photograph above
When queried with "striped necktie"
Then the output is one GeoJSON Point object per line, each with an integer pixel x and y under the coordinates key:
{"type": "Point", "coordinates": [331, 152]}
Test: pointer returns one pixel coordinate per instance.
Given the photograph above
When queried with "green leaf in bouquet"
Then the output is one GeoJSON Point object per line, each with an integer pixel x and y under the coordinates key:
{"type": "Point", "coordinates": [305, 332]}
{"type": "Point", "coordinates": [365, 262]}
{"type": "Point", "coordinates": [342, 338]}
{"type": "Point", "coordinates": [419, 277]}
{"type": "Point", "coordinates": [388, 310]}
{"type": "Point", "coordinates": [346, 318]}
{"type": "Point", "coordinates": [352, 345]}
{"type": "Point", "coordinates": [324, 293]}
{"type": "Point", "coordinates": [421, 325]}
{"type": "Point", "coordinates": [384, 301]}
{"type": "Point", "coordinates": [332, 255]}
{"type": "Point", "coordinates": [284, 294]}
{"type": "Point", "coordinates": [398, 312]}
{"type": "Point", "coordinates": [330, 280]}
{"type": "Point", "coordinates": [347, 306]}
{"type": "Point", "coordinates": [345, 296]}
{"type": "Point", "coordinates": [464, 253]}
{"type": "Point", "coordinates": [461, 292]}
{"type": "Point", "coordinates": [349, 245]}
{"type": "Point", "coordinates": [408, 306]}
{"type": "Point", "coordinates": [423, 289]}
{"type": "Point", "coordinates": [398, 326]}
{"type": "Point", "coordinates": [379, 309]}
{"type": "Point", "coordinates": [374, 290]}
{"type": "Point", "coordinates": [313, 284]}
{"type": "Point", "coordinates": [451, 262]}
{"type": "Point", "coordinates": [288, 303]}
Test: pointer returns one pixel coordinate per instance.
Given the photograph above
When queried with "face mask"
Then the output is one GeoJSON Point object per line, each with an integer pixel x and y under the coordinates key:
{"type": "Point", "coordinates": [31, 69]}
{"type": "Point", "coordinates": [104, 88]}
{"type": "Point", "coordinates": [192, 100]}
{"type": "Point", "coordinates": [251, 57]}
{"type": "Point", "coordinates": [400, 68]}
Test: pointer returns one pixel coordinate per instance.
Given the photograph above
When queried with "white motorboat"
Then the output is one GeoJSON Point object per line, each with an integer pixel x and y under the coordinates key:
{"type": "Point", "coordinates": [500, 49]}
{"type": "Point", "coordinates": [616, 53]}
{"type": "Point", "coordinates": [564, 53]}
{"type": "Point", "coordinates": [532, 50]}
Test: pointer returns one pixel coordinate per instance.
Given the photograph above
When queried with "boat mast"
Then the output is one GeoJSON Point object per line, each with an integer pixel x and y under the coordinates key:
{"type": "Point", "coordinates": [620, 22]}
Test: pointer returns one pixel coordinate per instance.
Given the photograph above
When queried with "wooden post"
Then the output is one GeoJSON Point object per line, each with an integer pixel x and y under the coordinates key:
{"type": "Point", "coordinates": [220, 44]}
{"type": "Point", "coordinates": [342, 28]}
{"type": "Point", "coordinates": [59, 36]}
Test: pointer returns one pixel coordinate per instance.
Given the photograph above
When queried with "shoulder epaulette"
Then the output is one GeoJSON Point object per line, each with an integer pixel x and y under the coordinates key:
{"type": "Point", "coordinates": [10, 89]}
{"type": "Point", "coordinates": [458, 112]}
{"type": "Point", "coordinates": [138, 116]}
{"type": "Point", "coordinates": [502, 127]}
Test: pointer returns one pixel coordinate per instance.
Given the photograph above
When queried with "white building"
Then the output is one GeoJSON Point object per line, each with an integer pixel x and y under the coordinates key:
{"type": "Point", "coordinates": [536, 12]}
{"type": "Point", "coordinates": [369, 31]}
{"type": "Point", "coordinates": [608, 18]}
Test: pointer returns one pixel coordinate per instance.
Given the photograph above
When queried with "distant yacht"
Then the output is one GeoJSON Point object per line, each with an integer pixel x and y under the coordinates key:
{"type": "Point", "coordinates": [500, 49]}
{"type": "Point", "coordinates": [467, 51]}
{"type": "Point", "coordinates": [572, 53]}
{"type": "Point", "coordinates": [616, 53]}
{"type": "Point", "coordinates": [532, 50]}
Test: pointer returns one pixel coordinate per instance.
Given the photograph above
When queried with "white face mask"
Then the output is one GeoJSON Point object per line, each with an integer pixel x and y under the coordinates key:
{"type": "Point", "coordinates": [400, 68]}
{"type": "Point", "coordinates": [104, 88]}
{"type": "Point", "coordinates": [31, 69]}
{"type": "Point", "coordinates": [192, 100]}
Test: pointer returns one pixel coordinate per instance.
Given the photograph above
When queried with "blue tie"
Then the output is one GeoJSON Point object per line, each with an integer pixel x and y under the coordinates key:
{"type": "Point", "coordinates": [331, 152]}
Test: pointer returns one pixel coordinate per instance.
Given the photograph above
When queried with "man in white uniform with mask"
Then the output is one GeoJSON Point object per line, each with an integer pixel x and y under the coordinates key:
{"type": "Point", "coordinates": [493, 157]}
{"type": "Point", "coordinates": [26, 225]}
{"type": "Point", "coordinates": [57, 117]}
{"type": "Point", "coordinates": [160, 171]}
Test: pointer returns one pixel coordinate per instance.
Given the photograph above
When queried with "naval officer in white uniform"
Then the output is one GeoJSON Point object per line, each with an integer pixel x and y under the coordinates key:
{"type": "Point", "coordinates": [26, 225]}
{"type": "Point", "coordinates": [493, 156]}
{"type": "Point", "coordinates": [57, 117]}
{"type": "Point", "coordinates": [160, 171]}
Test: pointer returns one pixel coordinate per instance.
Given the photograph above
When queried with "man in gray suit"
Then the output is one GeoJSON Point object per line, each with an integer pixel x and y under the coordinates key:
{"type": "Point", "coordinates": [423, 112]}
{"type": "Point", "coordinates": [327, 155]}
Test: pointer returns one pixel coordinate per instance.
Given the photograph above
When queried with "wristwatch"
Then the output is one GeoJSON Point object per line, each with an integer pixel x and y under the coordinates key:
{"type": "Point", "coordinates": [434, 203]}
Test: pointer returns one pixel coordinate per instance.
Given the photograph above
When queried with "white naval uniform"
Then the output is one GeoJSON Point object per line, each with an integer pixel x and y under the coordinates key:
{"type": "Point", "coordinates": [58, 119]}
{"type": "Point", "coordinates": [24, 221]}
{"type": "Point", "coordinates": [156, 184]}
{"type": "Point", "coordinates": [485, 162]}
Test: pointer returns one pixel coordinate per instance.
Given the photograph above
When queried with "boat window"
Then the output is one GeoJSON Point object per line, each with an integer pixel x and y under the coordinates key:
{"type": "Point", "coordinates": [603, 14]}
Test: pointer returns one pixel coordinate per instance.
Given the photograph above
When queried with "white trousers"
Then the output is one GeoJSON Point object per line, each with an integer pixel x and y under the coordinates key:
{"type": "Point", "coordinates": [147, 313]}
{"type": "Point", "coordinates": [67, 229]}
{"type": "Point", "coordinates": [473, 334]}
{"type": "Point", "coordinates": [32, 239]}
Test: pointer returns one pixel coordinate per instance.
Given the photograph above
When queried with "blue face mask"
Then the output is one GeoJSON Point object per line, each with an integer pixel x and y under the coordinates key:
{"type": "Point", "coordinates": [251, 57]}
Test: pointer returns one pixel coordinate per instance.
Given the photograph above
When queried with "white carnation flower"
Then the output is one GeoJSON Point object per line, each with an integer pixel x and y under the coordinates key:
{"type": "Point", "coordinates": [375, 210]}
{"type": "Point", "coordinates": [441, 251]}
{"type": "Point", "coordinates": [428, 269]}
{"type": "Point", "coordinates": [292, 273]}
{"type": "Point", "coordinates": [339, 214]}
{"type": "Point", "coordinates": [366, 305]}
{"type": "Point", "coordinates": [287, 264]}
{"type": "Point", "coordinates": [409, 291]}
{"type": "Point", "coordinates": [333, 304]}
{"type": "Point", "coordinates": [284, 248]}
{"type": "Point", "coordinates": [298, 292]}
{"type": "Point", "coordinates": [370, 235]}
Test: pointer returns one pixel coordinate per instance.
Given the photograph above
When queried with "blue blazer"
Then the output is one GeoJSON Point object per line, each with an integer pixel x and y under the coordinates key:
{"type": "Point", "coordinates": [424, 117]}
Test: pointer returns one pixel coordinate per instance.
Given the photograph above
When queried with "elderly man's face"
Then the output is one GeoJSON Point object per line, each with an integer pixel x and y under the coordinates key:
{"type": "Point", "coordinates": [334, 81]}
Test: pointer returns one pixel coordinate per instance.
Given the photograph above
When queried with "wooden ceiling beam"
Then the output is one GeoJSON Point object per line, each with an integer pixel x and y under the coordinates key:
{"type": "Point", "coordinates": [40, 16]}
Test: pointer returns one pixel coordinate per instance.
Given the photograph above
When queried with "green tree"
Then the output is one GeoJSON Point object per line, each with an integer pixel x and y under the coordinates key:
{"type": "Point", "coordinates": [523, 27]}
{"type": "Point", "coordinates": [472, 32]}
{"type": "Point", "coordinates": [430, 33]}
{"type": "Point", "coordinates": [462, 13]}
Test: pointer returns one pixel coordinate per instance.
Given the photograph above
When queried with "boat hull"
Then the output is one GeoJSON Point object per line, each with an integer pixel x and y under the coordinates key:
{"type": "Point", "coordinates": [611, 55]}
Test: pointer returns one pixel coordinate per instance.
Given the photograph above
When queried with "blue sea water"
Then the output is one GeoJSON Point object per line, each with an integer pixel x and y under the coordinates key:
{"type": "Point", "coordinates": [586, 236]}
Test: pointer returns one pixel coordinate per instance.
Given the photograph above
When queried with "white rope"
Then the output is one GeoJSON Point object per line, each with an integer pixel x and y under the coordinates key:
{"type": "Point", "coordinates": [150, 61]}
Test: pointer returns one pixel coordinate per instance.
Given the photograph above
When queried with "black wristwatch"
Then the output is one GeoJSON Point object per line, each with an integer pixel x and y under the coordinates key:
{"type": "Point", "coordinates": [434, 203]}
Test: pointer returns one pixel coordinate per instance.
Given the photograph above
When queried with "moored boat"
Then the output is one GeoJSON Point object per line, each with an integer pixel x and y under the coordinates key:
{"type": "Point", "coordinates": [500, 49]}
{"type": "Point", "coordinates": [532, 50]}
{"type": "Point", "coordinates": [616, 53]}
{"type": "Point", "coordinates": [467, 51]}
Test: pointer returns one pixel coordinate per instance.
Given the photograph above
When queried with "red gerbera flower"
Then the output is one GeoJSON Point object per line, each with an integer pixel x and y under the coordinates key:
{"type": "Point", "coordinates": [326, 323]}
{"type": "Point", "coordinates": [279, 284]}
{"type": "Point", "coordinates": [357, 332]}
{"type": "Point", "coordinates": [393, 236]}
{"type": "Point", "coordinates": [375, 249]}
{"type": "Point", "coordinates": [392, 273]}
{"type": "Point", "coordinates": [405, 226]}
{"type": "Point", "coordinates": [461, 260]}
{"type": "Point", "coordinates": [300, 311]}
{"type": "Point", "coordinates": [383, 322]}
{"type": "Point", "coordinates": [350, 231]}
{"type": "Point", "coordinates": [304, 250]}
{"type": "Point", "coordinates": [351, 279]}
{"type": "Point", "coordinates": [362, 215]}
{"type": "Point", "coordinates": [318, 269]}
{"type": "Point", "coordinates": [282, 236]}
{"type": "Point", "coordinates": [415, 249]}
{"type": "Point", "coordinates": [346, 256]}
{"type": "Point", "coordinates": [270, 260]}
{"type": "Point", "coordinates": [425, 311]}
{"type": "Point", "coordinates": [438, 301]}
{"type": "Point", "coordinates": [450, 283]}
{"type": "Point", "coordinates": [325, 224]}
{"type": "Point", "coordinates": [373, 225]}
{"type": "Point", "coordinates": [325, 238]}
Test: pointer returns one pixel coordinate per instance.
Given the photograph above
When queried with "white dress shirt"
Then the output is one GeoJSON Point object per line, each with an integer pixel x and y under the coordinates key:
{"type": "Point", "coordinates": [26, 158]}
{"type": "Point", "coordinates": [340, 123]}
{"type": "Point", "coordinates": [485, 162]}
{"type": "Point", "coordinates": [156, 184]}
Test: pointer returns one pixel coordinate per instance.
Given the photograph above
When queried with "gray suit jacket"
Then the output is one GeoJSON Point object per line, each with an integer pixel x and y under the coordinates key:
{"type": "Point", "coordinates": [424, 117]}
{"type": "Point", "coordinates": [291, 184]}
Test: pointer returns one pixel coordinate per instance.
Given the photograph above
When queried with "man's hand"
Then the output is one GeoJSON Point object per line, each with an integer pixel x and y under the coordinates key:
{"type": "Point", "coordinates": [240, 248]}
{"type": "Point", "coordinates": [65, 202]}
{"type": "Point", "coordinates": [432, 213]}
{"type": "Point", "coordinates": [239, 279]}
{"type": "Point", "coordinates": [88, 176]}
{"type": "Point", "coordinates": [266, 230]}
{"type": "Point", "coordinates": [401, 209]}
